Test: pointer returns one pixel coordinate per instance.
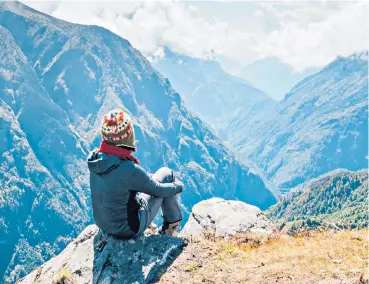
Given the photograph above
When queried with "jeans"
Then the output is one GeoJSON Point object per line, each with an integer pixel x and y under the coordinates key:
{"type": "Point", "coordinates": [170, 208]}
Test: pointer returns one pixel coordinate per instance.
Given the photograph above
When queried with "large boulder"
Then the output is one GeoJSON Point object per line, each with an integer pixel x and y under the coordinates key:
{"type": "Point", "coordinates": [222, 218]}
{"type": "Point", "coordinates": [95, 257]}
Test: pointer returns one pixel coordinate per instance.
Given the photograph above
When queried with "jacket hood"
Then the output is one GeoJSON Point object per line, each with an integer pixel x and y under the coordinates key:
{"type": "Point", "coordinates": [101, 163]}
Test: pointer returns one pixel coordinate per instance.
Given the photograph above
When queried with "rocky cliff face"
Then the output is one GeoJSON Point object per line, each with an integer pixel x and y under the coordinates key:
{"type": "Point", "coordinates": [57, 79]}
{"type": "Point", "coordinates": [321, 125]}
{"type": "Point", "coordinates": [94, 257]}
{"type": "Point", "coordinates": [43, 184]}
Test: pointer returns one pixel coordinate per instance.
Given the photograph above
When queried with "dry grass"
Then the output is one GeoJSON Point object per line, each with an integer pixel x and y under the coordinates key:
{"type": "Point", "coordinates": [190, 267]}
{"type": "Point", "coordinates": [64, 276]}
{"type": "Point", "coordinates": [317, 257]}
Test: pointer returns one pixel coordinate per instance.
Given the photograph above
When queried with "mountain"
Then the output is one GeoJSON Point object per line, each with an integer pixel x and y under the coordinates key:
{"type": "Point", "coordinates": [273, 77]}
{"type": "Point", "coordinates": [42, 186]}
{"type": "Point", "coordinates": [340, 197]}
{"type": "Point", "coordinates": [216, 96]}
{"type": "Point", "coordinates": [321, 125]}
{"type": "Point", "coordinates": [57, 79]}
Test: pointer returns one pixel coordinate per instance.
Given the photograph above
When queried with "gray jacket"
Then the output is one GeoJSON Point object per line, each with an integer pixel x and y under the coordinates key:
{"type": "Point", "coordinates": [114, 184]}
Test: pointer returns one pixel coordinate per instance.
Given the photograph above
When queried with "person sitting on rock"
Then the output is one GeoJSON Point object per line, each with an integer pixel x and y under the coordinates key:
{"type": "Point", "coordinates": [125, 198]}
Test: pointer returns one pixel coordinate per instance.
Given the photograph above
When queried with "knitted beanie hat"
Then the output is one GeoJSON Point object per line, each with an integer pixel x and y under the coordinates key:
{"type": "Point", "coordinates": [117, 129]}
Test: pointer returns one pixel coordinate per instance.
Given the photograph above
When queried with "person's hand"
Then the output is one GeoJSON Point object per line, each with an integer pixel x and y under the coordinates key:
{"type": "Point", "coordinates": [179, 184]}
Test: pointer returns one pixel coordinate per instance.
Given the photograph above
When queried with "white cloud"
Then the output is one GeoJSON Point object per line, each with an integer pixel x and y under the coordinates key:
{"type": "Point", "coordinates": [303, 43]}
{"type": "Point", "coordinates": [301, 34]}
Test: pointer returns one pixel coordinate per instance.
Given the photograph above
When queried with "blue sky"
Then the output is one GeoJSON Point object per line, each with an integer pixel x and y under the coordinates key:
{"type": "Point", "coordinates": [301, 34]}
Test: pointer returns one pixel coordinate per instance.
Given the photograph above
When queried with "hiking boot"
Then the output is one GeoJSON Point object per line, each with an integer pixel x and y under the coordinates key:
{"type": "Point", "coordinates": [169, 229]}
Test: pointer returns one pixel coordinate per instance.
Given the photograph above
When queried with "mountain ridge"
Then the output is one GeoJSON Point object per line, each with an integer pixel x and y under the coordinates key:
{"type": "Point", "coordinates": [274, 77]}
{"type": "Point", "coordinates": [338, 197]}
{"type": "Point", "coordinates": [215, 95]}
{"type": "Point", "coordinates": [321, 123]}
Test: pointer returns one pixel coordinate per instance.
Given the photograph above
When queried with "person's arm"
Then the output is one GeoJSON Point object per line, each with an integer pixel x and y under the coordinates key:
{"type": "Point", "coordinates": [142, 182]}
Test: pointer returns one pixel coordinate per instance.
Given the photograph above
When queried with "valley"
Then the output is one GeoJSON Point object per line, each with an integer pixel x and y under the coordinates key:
{"type": "Point", "coordinates": [298, 166]}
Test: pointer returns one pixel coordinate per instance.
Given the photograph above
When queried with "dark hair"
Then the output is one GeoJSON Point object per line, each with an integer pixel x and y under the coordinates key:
{"type": "Point", "coordinates": [128, 148]}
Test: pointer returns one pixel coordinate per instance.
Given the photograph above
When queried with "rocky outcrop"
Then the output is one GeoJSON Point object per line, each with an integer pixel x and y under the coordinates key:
{"type": "Point", "coordinates": [95, 257]}
{"type": "Point", "coordinates": [222, 218]}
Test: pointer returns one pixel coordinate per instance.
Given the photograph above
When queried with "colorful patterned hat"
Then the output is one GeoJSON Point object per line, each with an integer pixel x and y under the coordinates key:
{"type": "Point", "coordinates": [117, 129]}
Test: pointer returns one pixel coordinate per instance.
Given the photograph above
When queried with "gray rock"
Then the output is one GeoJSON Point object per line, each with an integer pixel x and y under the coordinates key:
{"type": "Point", "coordinates": [222, 218]}
{"type": "Point", "coordinates": [95, 257]}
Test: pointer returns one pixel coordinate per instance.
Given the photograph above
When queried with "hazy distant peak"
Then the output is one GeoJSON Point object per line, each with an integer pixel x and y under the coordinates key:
{"type": "Point", "coordinates": [273, 76]}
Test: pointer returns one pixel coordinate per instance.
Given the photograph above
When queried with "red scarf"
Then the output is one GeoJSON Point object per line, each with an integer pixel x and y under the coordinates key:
{"type": "Point", "coordinates": [112, 150]}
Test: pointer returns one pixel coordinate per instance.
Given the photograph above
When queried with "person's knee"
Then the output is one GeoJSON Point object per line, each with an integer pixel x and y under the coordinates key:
{"type": "Point", "coordinates": [164, 174]}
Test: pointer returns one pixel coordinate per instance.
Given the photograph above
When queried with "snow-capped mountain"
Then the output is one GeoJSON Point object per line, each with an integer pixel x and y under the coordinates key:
{"type": "Point", "coordinates": [216, 96]}
{"type": "Point", "coordinates": [321, 125]}
{"type": "Point", "coordinates": [57, 79]}
{"type": "Point", "coordinates": [274, 77]}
